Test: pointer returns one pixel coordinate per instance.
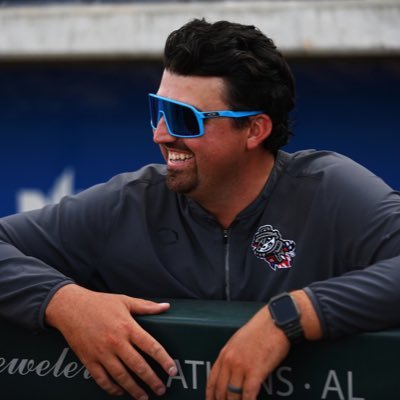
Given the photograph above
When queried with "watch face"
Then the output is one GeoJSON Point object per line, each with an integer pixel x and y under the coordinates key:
{"type": "Point", "coordinates": [284, 310]}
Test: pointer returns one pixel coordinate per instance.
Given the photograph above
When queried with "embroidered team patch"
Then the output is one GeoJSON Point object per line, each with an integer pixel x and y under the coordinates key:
{"type": "Point", "coordinates": [269, 246]}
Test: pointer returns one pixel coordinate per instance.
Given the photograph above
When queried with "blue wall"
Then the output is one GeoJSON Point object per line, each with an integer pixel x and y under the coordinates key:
{"type": "Point", "coordinates": [89, 120]}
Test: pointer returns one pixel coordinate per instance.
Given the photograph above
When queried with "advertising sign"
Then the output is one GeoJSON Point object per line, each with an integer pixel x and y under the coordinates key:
{"type": "Point", "coordinates": [363, 367]}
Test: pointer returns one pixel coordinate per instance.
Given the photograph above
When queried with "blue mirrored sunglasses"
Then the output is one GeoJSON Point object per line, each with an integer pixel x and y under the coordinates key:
{"type": "Point", "coordinates": [183, 120]}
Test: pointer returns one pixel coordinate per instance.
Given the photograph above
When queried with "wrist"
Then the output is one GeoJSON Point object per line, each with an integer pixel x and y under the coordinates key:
{"type": "Point", "coordinates": [60, 304]}
{"type": "Point", "coordinates": [286, 316]}
{"type": "Point", "coordinates": [308, 316]}
{"type": "Point", "coordinates": [308, 322]}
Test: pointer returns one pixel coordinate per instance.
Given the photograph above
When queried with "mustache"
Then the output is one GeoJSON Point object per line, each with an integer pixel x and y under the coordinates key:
{"type": "Point", "coordinates": [176, 146]}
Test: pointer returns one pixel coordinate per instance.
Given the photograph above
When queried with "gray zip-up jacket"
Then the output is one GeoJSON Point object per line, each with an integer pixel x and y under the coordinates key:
{"type": "Point", "coordinates": [322, 222]}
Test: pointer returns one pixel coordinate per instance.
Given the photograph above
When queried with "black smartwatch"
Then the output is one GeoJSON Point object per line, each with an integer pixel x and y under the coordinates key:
{"type": "Point", "coordinates": [286, 316]}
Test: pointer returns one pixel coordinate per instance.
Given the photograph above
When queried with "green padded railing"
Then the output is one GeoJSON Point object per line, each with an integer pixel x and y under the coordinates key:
{"type": "Point", "coordinates": [362, 367]}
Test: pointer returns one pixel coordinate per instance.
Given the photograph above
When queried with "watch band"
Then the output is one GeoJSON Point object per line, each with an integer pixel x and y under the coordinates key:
{"type": "Point", "coordinates": [294, 333]}
{"type": "Point", "coordinates": [286, 316]}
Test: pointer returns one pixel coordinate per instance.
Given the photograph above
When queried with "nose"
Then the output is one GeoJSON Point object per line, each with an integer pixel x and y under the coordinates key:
{"type": "Point", "coordinates": [161, 134]}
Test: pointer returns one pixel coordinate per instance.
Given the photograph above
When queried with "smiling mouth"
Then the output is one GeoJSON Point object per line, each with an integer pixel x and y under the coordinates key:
{"type": "Point", "coordinates": [178, 157]}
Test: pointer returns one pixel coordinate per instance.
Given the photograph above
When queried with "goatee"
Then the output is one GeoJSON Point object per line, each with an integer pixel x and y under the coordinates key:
{"type": "Point", "coordinates": [180, 182]}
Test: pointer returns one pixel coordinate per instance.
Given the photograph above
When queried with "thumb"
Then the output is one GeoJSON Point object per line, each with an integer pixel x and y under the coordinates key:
{"type": "Point", "coordinates": [140, 306]}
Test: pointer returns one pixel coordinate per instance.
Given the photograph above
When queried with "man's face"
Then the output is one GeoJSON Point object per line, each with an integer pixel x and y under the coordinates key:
{"type": "Point", "coordinates": [200, 166]}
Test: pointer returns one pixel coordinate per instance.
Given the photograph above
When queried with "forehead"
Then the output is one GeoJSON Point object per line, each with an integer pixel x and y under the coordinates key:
{"type": "Point", "coordinates": [203, 92]}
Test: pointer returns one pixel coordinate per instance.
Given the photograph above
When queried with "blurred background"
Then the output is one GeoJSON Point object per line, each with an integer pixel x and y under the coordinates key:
{"type": "Point", "coordinates": [74, 78]}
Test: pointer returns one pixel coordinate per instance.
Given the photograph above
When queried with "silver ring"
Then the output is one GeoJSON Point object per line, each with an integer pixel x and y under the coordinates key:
{"type": "Point", "coordinates": [234, 389]}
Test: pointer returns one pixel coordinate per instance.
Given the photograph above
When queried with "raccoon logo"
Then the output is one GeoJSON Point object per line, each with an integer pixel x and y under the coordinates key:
{"type": "Point", "coordinates": [269, 246]}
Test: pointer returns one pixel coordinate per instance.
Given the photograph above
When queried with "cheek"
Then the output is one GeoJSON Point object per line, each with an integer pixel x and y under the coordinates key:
{"type": "Point", "coordinates": [163, 152]}
{"type": "Point", "coordinates": [209, 151]}
{"type": "Point", "coordinates": [219, 144]}
{"type": "Point", "coordinates": [217, 159]}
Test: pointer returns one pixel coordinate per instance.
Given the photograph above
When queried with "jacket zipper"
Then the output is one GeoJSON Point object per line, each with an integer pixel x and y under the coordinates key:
{"type": "Point", "coordinates": [226, 265]}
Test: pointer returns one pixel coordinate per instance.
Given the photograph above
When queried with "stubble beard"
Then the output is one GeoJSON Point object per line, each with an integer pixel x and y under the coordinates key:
{"type": "Point", "coordinates": [182, 181]}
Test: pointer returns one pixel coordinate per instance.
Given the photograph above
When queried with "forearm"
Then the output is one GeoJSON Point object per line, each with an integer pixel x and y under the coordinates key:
{"type": "Point", "coordinates": [59, 307]}
{"type": "Point", "coordinates": [26, 286]}
{"type": "Point", "coordinates": [35, 262]}
{"type": "Point", "coordinates": [309, 319]}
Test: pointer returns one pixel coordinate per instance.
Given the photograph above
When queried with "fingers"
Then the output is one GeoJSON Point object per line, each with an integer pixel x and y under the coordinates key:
{"type": "Point", "coordinates": [225, 383]}
{"type": "Point", "coordinates": [108, 340]}
{"type": "Point", "coordinates": [140, 306]}
{"type": "Point", "coordinates": [251, 387]}
{"type": "Point", "coordinates": [119, 371]}
{"type": "Point", "coordinates": [211, 382]}
{"type": "Point", "coordinates": [101, 377]}
{"type": "Point", "coordinates": [145, 342]}
{"type": "Point", "coordinates": [137, 364]}
{"type": "Point", "coordinates": [127, 363]}
{"type": "Point", "coordinates": [123, 378]}
{"type": "Point", "coordinates": [221, 387]}
{"type": "Point", "coordinates": [234, 386]}
{"type": "Point", "coordinates": [247, 359]}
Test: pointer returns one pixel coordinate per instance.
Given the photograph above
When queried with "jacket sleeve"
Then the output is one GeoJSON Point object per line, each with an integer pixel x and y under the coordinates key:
{"type": "Point", "coordinates": [366, 297]}
{"type": "Point", "coordinates": [359, 301]}
{"type": "Point", "coordinates": [43, 250]}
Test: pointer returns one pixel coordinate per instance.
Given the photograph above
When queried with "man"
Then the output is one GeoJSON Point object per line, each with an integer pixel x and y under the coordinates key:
{"type": "Point", "coordinates": [230, 216]}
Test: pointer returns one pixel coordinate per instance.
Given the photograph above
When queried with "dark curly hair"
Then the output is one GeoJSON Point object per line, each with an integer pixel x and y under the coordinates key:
{"type": "Point", "coordinates": [257, 76]}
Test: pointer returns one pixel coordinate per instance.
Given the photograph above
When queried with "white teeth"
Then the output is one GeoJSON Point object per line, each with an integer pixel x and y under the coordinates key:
{"type": "Point", "coordinates": [173, 156]}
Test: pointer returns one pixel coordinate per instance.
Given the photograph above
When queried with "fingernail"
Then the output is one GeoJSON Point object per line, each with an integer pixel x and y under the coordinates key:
{"type": "Point", "coordinates": [172, 371]}
{"type": "Point", "coordinates": [118, 392]}
{"type": "Point", "coordinates": [144, 397]}
{"type": "Point", "coordinates": [160, 391]}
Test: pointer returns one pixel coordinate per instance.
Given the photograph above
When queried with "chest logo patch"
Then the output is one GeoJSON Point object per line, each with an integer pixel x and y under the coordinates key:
{"type": "Point", "coordinates": [269, 246]}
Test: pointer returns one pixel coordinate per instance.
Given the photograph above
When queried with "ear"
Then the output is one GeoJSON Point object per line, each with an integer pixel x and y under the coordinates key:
{"type": "Point", "coordinates": [260, 128]}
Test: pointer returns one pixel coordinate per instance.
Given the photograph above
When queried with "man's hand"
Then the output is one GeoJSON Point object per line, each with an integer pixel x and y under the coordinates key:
{"type": "Point", "coordinates": [254, 351]}
{"type": "Point", "coordinates": [101, 331]}
{"type": "Point", "coordinates": [249, 356]}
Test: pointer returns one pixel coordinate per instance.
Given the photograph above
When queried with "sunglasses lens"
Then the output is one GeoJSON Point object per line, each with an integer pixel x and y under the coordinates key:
{"type": "Point", "coordinates": [180, 120]}
{"type": "Point", "coordinates": [154, 111]}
